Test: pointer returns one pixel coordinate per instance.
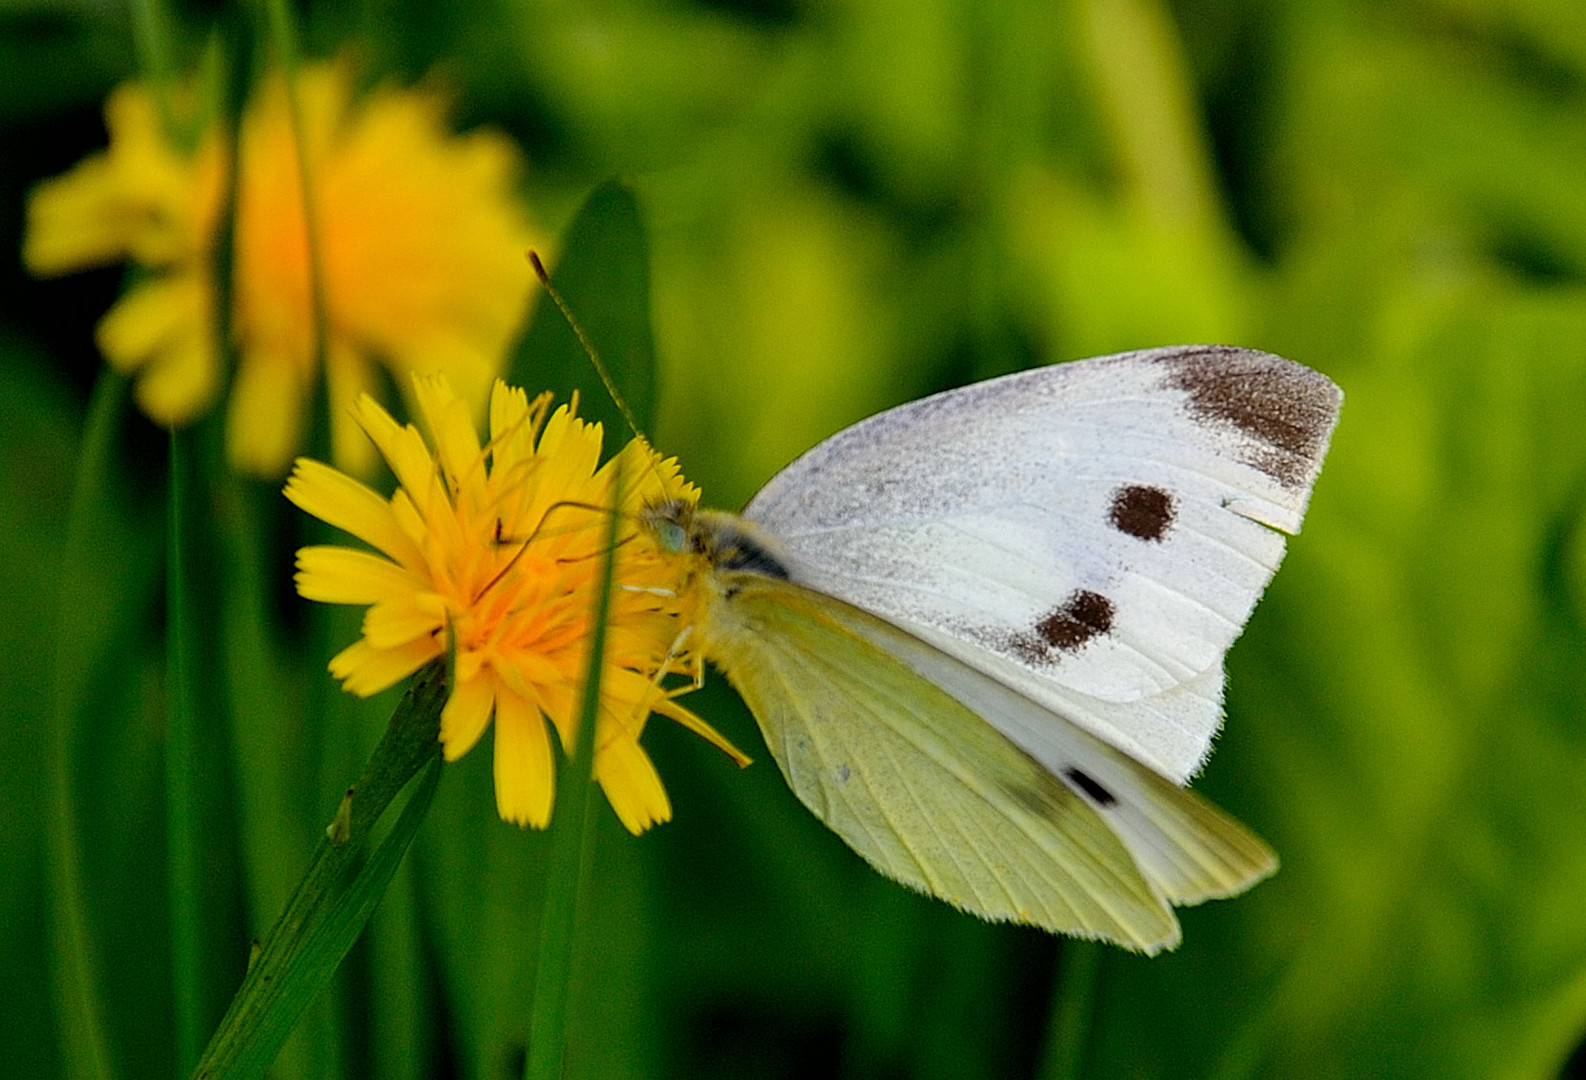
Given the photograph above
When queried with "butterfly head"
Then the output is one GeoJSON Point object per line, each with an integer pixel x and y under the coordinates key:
{"type": "Point", "coordinates": [722, 542]}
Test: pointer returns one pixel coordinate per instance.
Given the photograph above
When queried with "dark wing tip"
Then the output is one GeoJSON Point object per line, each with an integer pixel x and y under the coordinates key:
{"type": "Point", "coordinates": [1284, 411]}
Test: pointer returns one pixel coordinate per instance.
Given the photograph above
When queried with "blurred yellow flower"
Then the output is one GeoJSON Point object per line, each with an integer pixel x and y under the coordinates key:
{"type": "Point", "coordinates": [493, 553]}
{"type": "Point", "coordinates": [420, 250]}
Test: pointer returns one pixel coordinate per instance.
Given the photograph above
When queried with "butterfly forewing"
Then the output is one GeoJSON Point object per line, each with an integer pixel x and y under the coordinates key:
{"type": "Point", "coordinates": [1093, 535]}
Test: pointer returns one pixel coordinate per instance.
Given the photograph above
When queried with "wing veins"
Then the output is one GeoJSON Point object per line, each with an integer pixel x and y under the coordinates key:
{"type": "Point", "coordinates": [1203, 477]}
{"type": "Point", "coordinates": [877, 720]}
{"type": "Point", "coordinates": [1025, 824]}
{"type": "Point", "coordinates": [817, 748]}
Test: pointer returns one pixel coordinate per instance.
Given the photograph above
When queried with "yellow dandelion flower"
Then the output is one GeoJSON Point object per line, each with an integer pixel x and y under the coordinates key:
{"type": "Point", "coordinates": [492, 553]}
{"type": "Point", "coordinates": [420, 251]}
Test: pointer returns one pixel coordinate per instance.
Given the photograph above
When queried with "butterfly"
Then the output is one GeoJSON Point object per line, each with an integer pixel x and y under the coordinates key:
{"type": "Point", "coordinates": [983, 633]}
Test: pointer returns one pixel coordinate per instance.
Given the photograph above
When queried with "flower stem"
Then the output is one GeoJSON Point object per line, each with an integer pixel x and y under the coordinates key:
{"type": "Point", "coordinates": [1079, 966]}
{"type": "Point", "coordinates": [572, 842]}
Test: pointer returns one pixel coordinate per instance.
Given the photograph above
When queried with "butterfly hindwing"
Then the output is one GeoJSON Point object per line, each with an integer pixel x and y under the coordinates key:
{"type": "Point", "coordinates": [934, 796]}
{"type": "Point", "coordinates": [1093, 535]}
{"type": "Point", "coordinates": [917, 784]}
{"type": "Point", "coordinates": [1187, 849]}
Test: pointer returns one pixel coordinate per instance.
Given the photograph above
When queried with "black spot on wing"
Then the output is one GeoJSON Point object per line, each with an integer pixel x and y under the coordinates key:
{"type": "Point", "coordinates": [1286, 409]}
{"type": "Point", "coordinates": [1085, 615]}
{"type": "Point", "coordinates": [1145, 513]}
{"type": "Point", "coordinates": [1093, 790]}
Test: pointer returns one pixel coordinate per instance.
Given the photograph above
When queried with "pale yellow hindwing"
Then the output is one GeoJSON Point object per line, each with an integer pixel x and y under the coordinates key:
{"type": "Point", "coordinates": [1188, 849]}
{"type": "Point", "coordinates": [927, 791]}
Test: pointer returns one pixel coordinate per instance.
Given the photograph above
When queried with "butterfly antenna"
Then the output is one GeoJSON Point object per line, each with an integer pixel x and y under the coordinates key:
{"type": "Point", "coordinates": [589, 348]}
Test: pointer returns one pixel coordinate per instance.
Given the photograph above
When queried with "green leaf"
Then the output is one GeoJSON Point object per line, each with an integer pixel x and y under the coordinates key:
{"type": "Point", "coordinates": [349, 874]}
{"type": "Point", "coordinates": [203, 863]}
{"type": "Point", "coordinates": [603, 274]}
{"type": "Point", "coordinates": [274, 750]}
{"type": "Point", "coordinates": [35, 481]}
{"type": "Point", "coordinates": [108, 924]}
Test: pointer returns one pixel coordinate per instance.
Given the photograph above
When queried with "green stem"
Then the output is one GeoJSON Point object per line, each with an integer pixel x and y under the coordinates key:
{"type": "Point", "coordinates": [572, 850]}
{"type": "Point", "coordinates": [152, 38]}
{"type": "Point", "coordinates": [77, 980]}
{"type": "Point", "coordinates": [1069, 1033]}
{"type": "Point", "coordinates": [182, 830]}
{"type": "Point", "coordinates": [350, 871]}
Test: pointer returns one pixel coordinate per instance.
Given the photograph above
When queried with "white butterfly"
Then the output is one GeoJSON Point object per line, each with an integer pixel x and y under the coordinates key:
{"type": "Point", "coordinates": [983, 633]}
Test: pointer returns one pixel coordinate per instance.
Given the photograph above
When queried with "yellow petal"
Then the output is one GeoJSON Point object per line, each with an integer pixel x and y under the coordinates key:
{"type": "Point", "coordinates": [409, 521]}
{"type": "Point", "coordinates": [524, 766]}
{"type": "Point", "coordinates": [76, 221]}
{"type": "Point", "coordinates": [404, 450]}
{"type": "Point", "coordinates": [511, 433]}
{"type": "Point", "coordinates": [365, 670]}
{"type": "Point", "coordinates": [465, 714]}
{"type": "Point", "coordinates": [338, 575]}
{"type": "Point", "coordinates": [174, 198]}
{"type": "Point", "coordinates": [162, 327]}
{"type": "Point", "coordinates": [146, 319]}
{"type": "Point", "coordinates": [339, 500]}
{"type": "Point", "coordinates": [451, 432]}
{"type": "Point", "coordinates": [393, 623]}
{"type": "Point", "coordinates": [632, 785]}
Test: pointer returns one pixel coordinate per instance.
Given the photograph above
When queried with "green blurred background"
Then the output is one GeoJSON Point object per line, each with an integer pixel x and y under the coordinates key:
{"type": "Point", "coordinates": [850, 204]}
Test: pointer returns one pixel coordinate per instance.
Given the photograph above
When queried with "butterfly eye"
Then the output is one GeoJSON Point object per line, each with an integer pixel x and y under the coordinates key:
{"type": "Point", "coordinates": [671, 537]}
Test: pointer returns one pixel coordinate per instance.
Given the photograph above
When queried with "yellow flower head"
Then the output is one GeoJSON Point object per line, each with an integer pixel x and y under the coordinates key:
{"type": "Point", "coordinates": [493, 553]}
{"type": "Point", "coordinates": [419, 240]}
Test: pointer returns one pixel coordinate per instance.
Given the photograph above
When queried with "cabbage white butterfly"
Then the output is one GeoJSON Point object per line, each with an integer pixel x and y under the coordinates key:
{"type": "Point", "coordinates": [983, 633]}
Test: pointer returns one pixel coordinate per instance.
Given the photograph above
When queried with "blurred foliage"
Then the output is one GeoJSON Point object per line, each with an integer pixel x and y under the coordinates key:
{"type": "Point", "coordinates": [849, 204]}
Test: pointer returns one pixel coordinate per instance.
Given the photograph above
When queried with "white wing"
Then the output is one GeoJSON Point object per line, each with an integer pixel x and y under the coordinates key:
{"type": "Point", "coordinates": [1092, 535]}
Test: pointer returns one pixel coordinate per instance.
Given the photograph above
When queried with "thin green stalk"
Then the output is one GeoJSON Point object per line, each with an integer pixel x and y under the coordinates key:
{"type": "Point", "coordinates": [77, 980]}
{"type": "Point", "coordinates": [572, 844]}
{"type": "Point", "coordinates": [181, 824]}
{"type": "Point", "coordinates": [1069, 1032]}
{"type": "Point", "coordinates": [151, 36]}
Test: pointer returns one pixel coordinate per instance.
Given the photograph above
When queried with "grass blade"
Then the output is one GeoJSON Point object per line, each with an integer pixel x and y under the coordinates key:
{"type": "Point", "coordinates": [79, 999]}
{"type": "Point", "coordinates": [572, 843]}
{"type": "Point", "coordinates": [183, 838]}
